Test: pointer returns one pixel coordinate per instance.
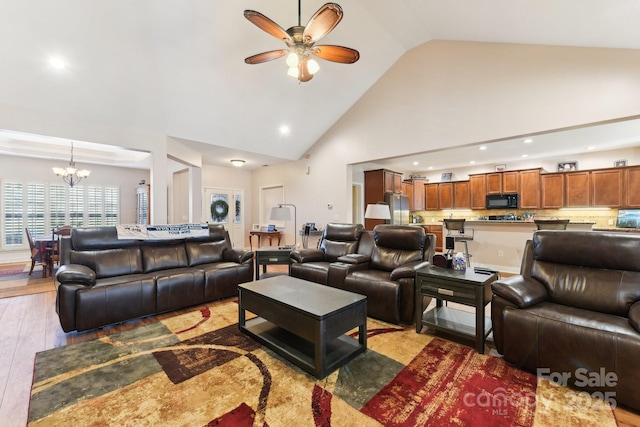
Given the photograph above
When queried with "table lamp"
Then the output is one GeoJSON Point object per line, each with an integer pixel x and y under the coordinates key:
{"type": "Point", "coordinates": [377, 211]}
{"type": "Point", "coordinates": [280, 213]}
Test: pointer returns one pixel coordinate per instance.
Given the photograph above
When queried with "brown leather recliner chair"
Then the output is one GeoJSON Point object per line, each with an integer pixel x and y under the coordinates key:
{"type": "Point", "coordinates": [337, 240]}
{"type": "Point", "coordinates": [384, 270]}
{"type": "Point", "coordinates": [574, 312]}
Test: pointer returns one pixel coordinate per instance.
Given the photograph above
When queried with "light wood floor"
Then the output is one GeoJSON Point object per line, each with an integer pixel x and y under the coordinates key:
{"type": "Point", "coordinates": [29, 324]}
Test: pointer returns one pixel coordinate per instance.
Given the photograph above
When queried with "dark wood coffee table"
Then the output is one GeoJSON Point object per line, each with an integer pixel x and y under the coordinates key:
{"type": "Point", "coordinates": [304, 322]}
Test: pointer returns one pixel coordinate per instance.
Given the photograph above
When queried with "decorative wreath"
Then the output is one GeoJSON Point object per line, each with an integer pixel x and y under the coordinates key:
{"type": "Point", "coordinates": [219, 210]}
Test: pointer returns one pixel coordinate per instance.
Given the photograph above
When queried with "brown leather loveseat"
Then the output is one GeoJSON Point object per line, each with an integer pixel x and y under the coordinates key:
{"type": "Point", "coordinates": [573, 313]}
{"type": "Point", "coordinates": [105, 280]}
{"type": "Point", "coordinates": [312, 264]}
{"type": "Point", "coordinates": [381, 266]}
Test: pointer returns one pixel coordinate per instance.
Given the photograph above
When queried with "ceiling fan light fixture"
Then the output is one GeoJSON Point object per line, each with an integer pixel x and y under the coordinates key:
{"type": "Point", "coordinates": [312, 66]}
{"type": "Point", "coordinates": [293, 60]}
{"type": "Point", "coordinates": [293, 72]}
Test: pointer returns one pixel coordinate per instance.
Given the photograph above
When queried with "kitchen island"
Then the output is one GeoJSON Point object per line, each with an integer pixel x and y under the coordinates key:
{"type": "Point", "coordinates": [499, 244]}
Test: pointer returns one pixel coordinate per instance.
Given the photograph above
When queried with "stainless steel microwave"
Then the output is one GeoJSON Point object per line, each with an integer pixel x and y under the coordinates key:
{"type": "Point", "coordinates": [502, 201]}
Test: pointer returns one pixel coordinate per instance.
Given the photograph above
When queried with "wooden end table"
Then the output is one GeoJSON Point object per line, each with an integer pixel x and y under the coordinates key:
{"type": "Point", "coordinates": [467, 288]}
{"type": "Point", "coordinates": [272, 255]}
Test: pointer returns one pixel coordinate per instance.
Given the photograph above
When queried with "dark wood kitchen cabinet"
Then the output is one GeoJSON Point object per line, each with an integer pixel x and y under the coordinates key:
{"type": "Point", "coordinates": [445, 195]}
{"type": "Point", "coordinates": [431, 197]}
{"type": "Point", "coordinates": [577, 186]}
{"type": "Point", "coordinates": [415, 191]}
{"type": "Point", "coordinates": [606, 188]}
{"type": "Point", "coordinates": [552, 190]}
{"type": "Point", "coordinates": [632, 187]}
{"type": "Point", "coordinates": [478, 191]}
{"type": "Point", "coordinates": [529, 189]}
{"type": "Point", "coordinates": [461, 195]}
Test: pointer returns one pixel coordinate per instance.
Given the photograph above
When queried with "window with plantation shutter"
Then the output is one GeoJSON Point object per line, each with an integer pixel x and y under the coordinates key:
{"type": "Point", "coordinates": [111, 206]}
{"type": "Point", "coordinates": [44, 207]}
{"type": "Point", "coordinates": [14, 223]}
{"type": "Point", "coordinates": [57, 205]}
{"type": "Point", "coordinates": [36, 210]}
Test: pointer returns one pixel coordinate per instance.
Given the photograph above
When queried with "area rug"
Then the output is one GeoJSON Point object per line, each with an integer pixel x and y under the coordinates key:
{"type": "Point", "coordinates": [198, 369]}
{"type": "Point", "coordinates": [16, 281]}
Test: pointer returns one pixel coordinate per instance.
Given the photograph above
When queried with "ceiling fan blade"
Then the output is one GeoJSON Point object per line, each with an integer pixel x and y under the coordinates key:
{"type": "Point", "coordinates": [341, 54]}
{"type": "Point", "coordinates": [266, 56]}
{"type": "Point", "coordinates": [267, 25]}
{"type": "Point", "coordinates": [320, 24]}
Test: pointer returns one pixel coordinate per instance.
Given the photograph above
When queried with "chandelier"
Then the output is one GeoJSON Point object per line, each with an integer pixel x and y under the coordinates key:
{"type": "Point", "coordinates": [70, 174]}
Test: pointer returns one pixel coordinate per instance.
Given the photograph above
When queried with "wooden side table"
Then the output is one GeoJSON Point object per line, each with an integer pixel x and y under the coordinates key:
{"type": "Point", "coordinates": [271, 255]}
{"type": "Point", "coordinates": [467, 288]}
{"type": "Point", "coordinates": [266, 234]}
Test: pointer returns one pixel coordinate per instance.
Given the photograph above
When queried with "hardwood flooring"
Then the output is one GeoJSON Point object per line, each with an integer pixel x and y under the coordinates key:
{"type": "Point", "coordinates": [29, 324]}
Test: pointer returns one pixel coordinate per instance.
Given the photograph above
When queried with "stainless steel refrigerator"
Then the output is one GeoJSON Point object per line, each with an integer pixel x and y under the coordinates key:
{"type": "Point", "coordinates": [399, 207]}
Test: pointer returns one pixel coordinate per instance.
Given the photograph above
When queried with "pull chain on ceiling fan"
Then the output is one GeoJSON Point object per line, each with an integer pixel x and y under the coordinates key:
{"type": "Point", "coordinates": [301, 42]}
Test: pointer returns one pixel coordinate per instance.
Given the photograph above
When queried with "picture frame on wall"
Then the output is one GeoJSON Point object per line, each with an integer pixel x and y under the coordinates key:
{"type": "Point", "coordinates": [501, 168]}
{"type": "Point", "coordinates": [620, 163]}
{"type": "Point", "coordinates": [567, 166]}
{"type": "Point", "coordinates": [446, 176]}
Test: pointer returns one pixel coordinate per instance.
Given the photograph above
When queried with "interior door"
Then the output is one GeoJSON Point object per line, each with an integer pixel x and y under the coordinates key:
{"type": "Point", "coordinates": [226, 206]}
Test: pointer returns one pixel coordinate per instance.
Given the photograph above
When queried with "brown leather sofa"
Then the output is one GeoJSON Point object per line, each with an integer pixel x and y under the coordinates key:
{"type": "Point", "coordinates": [105, 280]}
{"type": "Point", "coordinates": [382, 267]}
{"type": "Point", "coordinates": [574, 312]}
{"type": "Point", "coordinates": [312, 264]}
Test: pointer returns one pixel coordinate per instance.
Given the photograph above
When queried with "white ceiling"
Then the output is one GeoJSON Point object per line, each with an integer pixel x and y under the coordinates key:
{"type": "Point", "coordinates": [176, 67]}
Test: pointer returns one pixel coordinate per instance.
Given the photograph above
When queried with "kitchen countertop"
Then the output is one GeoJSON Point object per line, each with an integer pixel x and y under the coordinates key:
{"type": "Point", "coordinates": [509, 221]}
{"type": "Point", "coordinates": [617, 230]}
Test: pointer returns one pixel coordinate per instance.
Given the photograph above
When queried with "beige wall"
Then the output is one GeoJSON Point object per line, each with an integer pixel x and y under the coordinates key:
{"type": "Point", "coordinates": [442, 94]}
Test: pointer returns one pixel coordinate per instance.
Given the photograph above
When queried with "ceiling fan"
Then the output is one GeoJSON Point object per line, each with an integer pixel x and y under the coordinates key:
{"type": "Point", "coordinates": [301, 42]}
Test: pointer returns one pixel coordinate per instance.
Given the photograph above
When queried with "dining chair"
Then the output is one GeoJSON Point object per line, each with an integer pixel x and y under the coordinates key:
{"type": "Point", "coordinates": [54, 251]}
{"type": "Point", "coordinates": [36, 255]}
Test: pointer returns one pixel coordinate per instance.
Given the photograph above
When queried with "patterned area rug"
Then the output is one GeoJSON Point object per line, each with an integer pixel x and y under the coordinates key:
{"type": "Point", "coordinates": [198, 369]}
{"type": "Point", "coordinates": [16, 281]}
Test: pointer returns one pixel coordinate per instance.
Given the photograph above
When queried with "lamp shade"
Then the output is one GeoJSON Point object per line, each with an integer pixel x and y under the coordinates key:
{"type": "Point", "coordinates": [378, 211]}
{"type": "Point", "coordinates": [280, 213]}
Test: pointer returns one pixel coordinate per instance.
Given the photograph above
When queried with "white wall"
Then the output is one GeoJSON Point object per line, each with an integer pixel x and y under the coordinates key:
{"type": "Point", "coordinates": [443, 94]}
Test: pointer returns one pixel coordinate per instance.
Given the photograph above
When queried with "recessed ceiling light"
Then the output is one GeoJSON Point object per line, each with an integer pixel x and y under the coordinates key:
{"type": "Point", "coordinates": [591, 147]}
{"type": "Point", "coordinates": [430, 167]}
{"type": "Point", "coordinates": [57, 63]}
{"type": "Point", "coordinates": [482, 147]}
{"type": "Point", "coordinates": [528, 141]}
{"type": "Point", "coordinates": [472, 162]}
{"type": "Point", "coordinates": [524, 155]}
{"type": "Point", "coordinates": [284, 130]}
{"type": "Point", "coordinates": [416, 163]}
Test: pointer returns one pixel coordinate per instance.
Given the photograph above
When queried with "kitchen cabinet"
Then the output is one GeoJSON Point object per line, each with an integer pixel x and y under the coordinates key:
{"type": "Point", "coordinates": [494, 183]}
{"type": "Point", "coordinates": [577, 187]}
{"type": "Point", "coordinates": [461, 195]}
{"type": "Point", "coordinates": [529, 184]}
{"type": "Point", "coordinates": [552, 190]}
{"type": "Point", "coordinates": [431, 197]}
{"type": "Point", "coordinates": [632, 187]}
{"type": "Point", "coordinates": [437, 230]}
{"type": "Point", "coordinates": [376, 183]}
{"type": "Point", "coordinates": [415, 191]}
{"type": "Point", "coordinates": [478, 191]}
{"type": "Point", "coordinates": [510, 182]}
{"type": "Point", "coordinates": [445, 195]}
{"type": "Point", "coordinates": [606, 188]}
{"type": "Point", "coordinates": [407, 189]}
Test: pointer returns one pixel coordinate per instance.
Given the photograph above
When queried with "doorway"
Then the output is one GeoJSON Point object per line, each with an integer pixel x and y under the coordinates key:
{"type": "Point", "coordinates": [226, 206]}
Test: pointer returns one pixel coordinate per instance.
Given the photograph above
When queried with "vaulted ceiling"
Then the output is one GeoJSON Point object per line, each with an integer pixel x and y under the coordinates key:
{"type": "Point", "coordinates": [177, 68]}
